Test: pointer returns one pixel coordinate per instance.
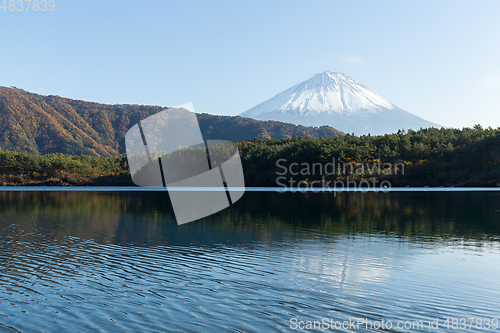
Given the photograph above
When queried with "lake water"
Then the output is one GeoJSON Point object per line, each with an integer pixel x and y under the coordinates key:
{"type": "Point", "coordinates": [116, 261]}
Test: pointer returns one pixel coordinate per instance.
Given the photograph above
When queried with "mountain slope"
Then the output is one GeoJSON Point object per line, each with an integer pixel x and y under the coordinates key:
{"type": "Point", "coordinates": [50, 124]}
{"type": "Point", "coordinates": [336, 100]}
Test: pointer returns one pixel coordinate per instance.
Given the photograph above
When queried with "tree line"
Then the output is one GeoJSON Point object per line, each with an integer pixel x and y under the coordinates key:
{"type": "Point", "coordinates": [431, 157]}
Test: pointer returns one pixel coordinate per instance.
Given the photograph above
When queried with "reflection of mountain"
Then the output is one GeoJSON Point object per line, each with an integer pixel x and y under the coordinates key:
{"type": "Point", "coordinates": [356, 261]}
{"type": "Point", "coordinates": [79, 259]}
{"type": "Point", "coordinates": [146, 218]}
{"type": "Point", "coordinates": [354, 237]}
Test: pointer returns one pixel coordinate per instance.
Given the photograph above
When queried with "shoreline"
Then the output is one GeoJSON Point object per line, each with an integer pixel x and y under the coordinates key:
{"type": "Point", "coordinates": [246, 189]}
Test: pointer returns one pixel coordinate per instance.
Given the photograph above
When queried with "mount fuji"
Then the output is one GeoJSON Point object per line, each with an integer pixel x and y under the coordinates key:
{"type": "Point", "coordinates": [336, 100]}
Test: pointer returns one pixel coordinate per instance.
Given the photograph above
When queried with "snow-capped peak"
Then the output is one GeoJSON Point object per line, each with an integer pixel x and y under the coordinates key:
{"type": "Point", "coordinates": [324, 92]}
{"type": "Point", "coordinates": [335, 99]}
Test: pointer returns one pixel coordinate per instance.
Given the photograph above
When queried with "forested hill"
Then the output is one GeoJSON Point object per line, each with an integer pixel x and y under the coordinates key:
{"type": "Point", "coordinates": [428, 157]}
{"type": "Point", "coordinates": [51, 124]}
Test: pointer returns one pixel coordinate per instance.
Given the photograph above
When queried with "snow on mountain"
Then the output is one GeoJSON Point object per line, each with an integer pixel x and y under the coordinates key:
{"type": "Point", "coordinates": [336, 100]}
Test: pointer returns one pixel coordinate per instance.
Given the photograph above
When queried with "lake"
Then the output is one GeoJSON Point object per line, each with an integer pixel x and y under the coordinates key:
{"type": "Point", "coordinates": [116, 261]}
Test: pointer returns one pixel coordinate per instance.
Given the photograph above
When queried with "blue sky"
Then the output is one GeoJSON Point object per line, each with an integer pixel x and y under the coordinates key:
{"type": "Point", "coordinates": [437, 59]}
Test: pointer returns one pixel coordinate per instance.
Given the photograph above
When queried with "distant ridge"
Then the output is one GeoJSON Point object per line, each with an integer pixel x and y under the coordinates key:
{"type": "Point", "coordinates": [51, 124]}
{"type": "Point", "coordinates": [336, 100]}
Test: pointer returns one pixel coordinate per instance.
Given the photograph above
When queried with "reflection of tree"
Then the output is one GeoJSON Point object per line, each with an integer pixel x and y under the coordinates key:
{"type": "Point", "coordinates": [146, 218]}
{"type": "Point", "coordinates": [428, 214]}
{"type": "Point", "coordinates": [35, 225]}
